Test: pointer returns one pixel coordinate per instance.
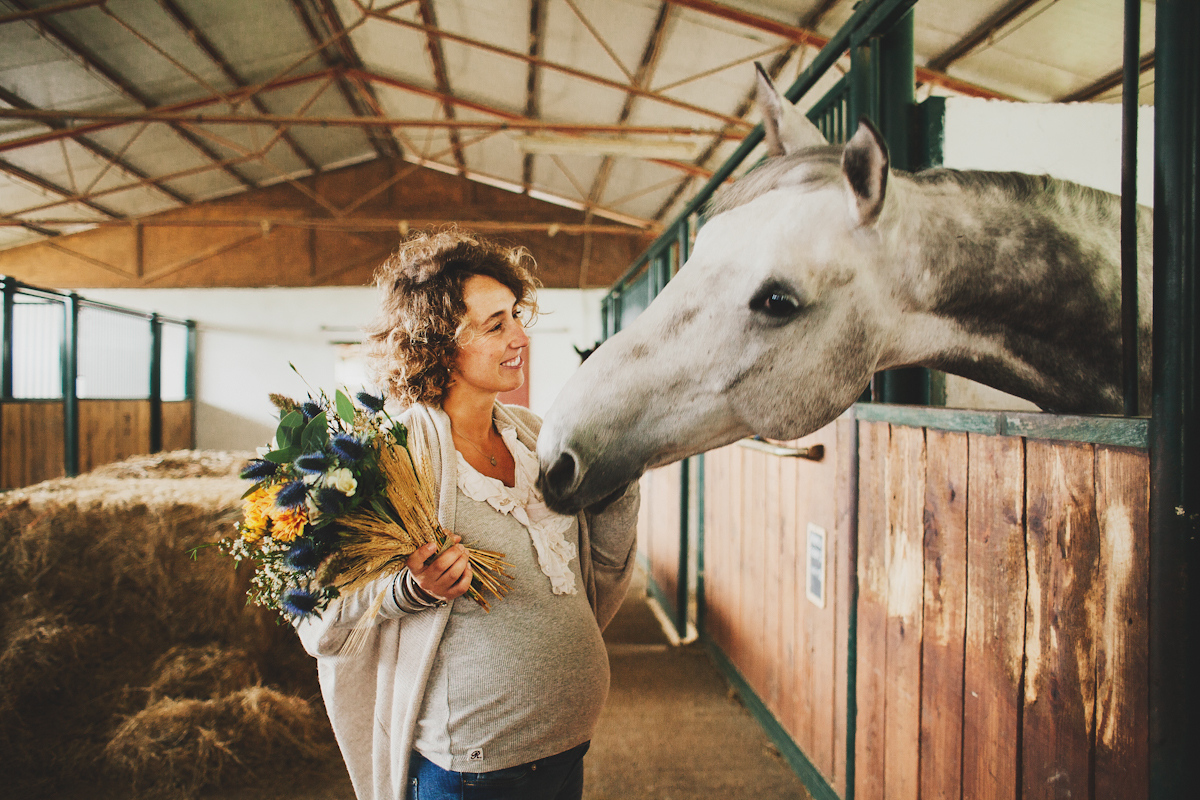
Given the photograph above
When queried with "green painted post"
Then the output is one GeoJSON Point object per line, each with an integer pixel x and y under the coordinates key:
{"type": "Point", "coordinates": [6, 359]}
{"type": "Point", "coordinates": [156, 432]}
{"type": "Point", "coordinates": [1175, 425]}
{"type": "Point", "coordinates": [69, 361]}
{"type": "Point", "coordinates": [189, 369]}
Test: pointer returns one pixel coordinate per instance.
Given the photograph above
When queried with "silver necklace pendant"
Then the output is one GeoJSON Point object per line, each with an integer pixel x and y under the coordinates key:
{"type": "Point", "coordinates": [492, 459]}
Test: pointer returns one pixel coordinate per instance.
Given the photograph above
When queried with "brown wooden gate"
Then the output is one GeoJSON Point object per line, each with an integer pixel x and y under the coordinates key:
{"type": "Point", "coordinates": [999, 641]}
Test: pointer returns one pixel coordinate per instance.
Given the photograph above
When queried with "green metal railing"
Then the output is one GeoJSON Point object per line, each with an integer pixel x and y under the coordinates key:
{"type": "Point", "coordinates": [124, 357]}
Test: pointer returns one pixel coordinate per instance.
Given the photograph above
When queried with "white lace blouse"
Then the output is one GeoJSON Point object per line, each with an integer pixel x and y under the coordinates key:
{"type": "Point", "coordinates": [524, 502]}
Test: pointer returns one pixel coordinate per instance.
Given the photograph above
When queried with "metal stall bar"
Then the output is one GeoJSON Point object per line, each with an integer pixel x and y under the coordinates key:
{"type": "Point", "coordinates": [1175, 424]}
{"type": "Point", "coordinates": [6, 360]}
{"type": "Point", "coordinates": [156, 420]}
{"type": "Point", "coordinates": [1130, 370]}
{"type": "Point", "coordinates": [70, 394]}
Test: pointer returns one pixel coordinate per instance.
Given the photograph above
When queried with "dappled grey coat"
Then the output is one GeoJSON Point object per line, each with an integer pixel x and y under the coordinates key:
{"type": "Point", "coordinates": [374, 696]}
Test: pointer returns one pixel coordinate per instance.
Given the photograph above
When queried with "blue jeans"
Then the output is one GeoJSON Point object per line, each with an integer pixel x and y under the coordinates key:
{"type": "Point", "coordinates": [558, 777]}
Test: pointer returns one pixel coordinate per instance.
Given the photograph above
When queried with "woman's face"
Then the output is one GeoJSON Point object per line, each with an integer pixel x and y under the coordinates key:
{"type": "Point", "coordinates": [491, 355]}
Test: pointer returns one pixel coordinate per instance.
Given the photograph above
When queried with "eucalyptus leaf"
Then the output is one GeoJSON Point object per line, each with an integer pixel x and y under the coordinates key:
{"type": "Point", "coordinates": [288, 432]}
{"type": "Point", "coordinates": [282, 455]}
{"type": "Point", "coordinates": [345, 408]}
{"type": "Point", "coordinates": [316, 433]}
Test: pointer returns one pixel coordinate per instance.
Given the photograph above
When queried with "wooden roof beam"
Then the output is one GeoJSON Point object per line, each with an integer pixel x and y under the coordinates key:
{"type": "Point", "coordinates": [818, 14]}
{"type": "Point", "coordinates": [206, 45]}
{"type": "Point", "coordinates": [50, 186]}
{"type": "Point", "coordinates": [691, 169]}
{"type": "Point", "coordinates": [533, 79]}
{"type": "Point", "coordinates": [1109, 81]}
{"type": "Point", "coordinates": [433, 46]}
{"type": "Point", "coordinates": [363, 224]}
{"type": "Point", "coordinates": [95, 194]}
{"type": "Point", "coordinates": [17, 101]}
{"type": "Point", "coordinates": [91, 61]}
{"type": "Point", "coordinates": [641, 79]}
{"type": "Point", "coordinates": [551, 65]}
{"type": "Point", "coordinates": [802, 35]}
{"type": "Point", "coordinates": [981, 34]}
{"type": "Point", "coordinates": [61, 132]}
{"type": "Point", "coordinates": [37, 13]}
{"type": "Point", "coordinates": [315, 14]}
{"type": "Point", "coordinates": [275, 120]}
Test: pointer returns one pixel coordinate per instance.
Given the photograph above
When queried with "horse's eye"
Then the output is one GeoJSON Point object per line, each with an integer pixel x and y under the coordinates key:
{"type": "Point", "coordinates": [775, 302]}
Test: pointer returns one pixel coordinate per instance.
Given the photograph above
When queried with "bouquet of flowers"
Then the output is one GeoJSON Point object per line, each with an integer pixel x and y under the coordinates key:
{"type": "Point", "coordinates": [341, 497]}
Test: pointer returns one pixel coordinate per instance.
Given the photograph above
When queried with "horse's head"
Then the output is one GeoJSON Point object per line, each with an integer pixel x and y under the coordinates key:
{"type": "Point", "coordinates": [773, 326]}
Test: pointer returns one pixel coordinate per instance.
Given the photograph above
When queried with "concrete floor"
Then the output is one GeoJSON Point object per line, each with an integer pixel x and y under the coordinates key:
{"type": "Point", "coordinates": [673, 729]}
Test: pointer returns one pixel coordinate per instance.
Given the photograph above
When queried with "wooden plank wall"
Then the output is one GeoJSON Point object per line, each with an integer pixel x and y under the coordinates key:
{"type": "Point", "coordinates": [31, 435]}
{"type": "Point", "coordinates": [31, 444]}
{"type": "Point", "coordinates": [112, 430]}
{"type": "Point", "coordinates": [658, 527]}
{"type": "Point", "coordinates": [178, 426]}
{"type": "Point", "coordinates": [791, 652]}
{"type": "Point", "coordinates": [1002, 618]}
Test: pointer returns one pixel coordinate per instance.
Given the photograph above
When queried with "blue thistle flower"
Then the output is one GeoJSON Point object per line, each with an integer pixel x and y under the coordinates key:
{"type": "Point", "coordinates": [329, 500]}
{"type": "Point", "coordinates": [292, 495]}
{"type": "Point", "coordinates": [310, 409]}
{"type": "Point", "coordinates": [258, 468]}
{"type": "Point", "coordinates": [301, 556]}
{"type": "Point", "coordinates": [314, 463]}
{"type": "Point", "coordinates": [347, 447]}
{"type": "Point", "coordinates": [299, 602]}
{"type": "Point", "coordinates": [370, 402]}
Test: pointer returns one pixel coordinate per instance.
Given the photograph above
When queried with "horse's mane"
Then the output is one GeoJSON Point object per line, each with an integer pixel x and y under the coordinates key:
{"type": "Point", "coordinates": [812, 168]}
{"type": "Point", "coordinates": [817, 167]}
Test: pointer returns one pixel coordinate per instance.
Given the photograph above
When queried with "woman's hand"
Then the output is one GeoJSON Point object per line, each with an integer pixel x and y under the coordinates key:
{"type": "Point", "coordinates": [442, 577]}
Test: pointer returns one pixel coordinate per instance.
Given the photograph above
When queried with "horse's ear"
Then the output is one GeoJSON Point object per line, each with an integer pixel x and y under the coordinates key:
{"type": "Point", "coordinates": [865, 167]}
{"type": "Point", "coordinates": [787, 129]}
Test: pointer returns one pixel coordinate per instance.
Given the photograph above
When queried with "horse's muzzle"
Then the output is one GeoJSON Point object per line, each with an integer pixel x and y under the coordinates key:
{"type": "Point", "coordinates": [559, 481]}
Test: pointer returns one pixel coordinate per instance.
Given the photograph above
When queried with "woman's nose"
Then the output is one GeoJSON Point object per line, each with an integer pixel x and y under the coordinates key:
{"type": "Point", "coordinates": [521, 339]}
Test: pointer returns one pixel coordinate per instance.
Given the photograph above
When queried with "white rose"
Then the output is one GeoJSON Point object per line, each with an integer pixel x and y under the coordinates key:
{"type": "Point", "coordinates": [343, 480]}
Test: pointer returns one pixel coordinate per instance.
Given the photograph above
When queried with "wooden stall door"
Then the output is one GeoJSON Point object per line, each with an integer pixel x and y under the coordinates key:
{"type": "Point", "coordinates": [112, 430]}
{"type": "Point", "coordinates": [1027, 656]}
{"type": "Point", "coordinates": [31, 445]}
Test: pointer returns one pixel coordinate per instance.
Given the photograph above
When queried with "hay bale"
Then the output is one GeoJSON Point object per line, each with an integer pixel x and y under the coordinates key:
{"type": "Point", "coordinates": [176, 464]}
{"type": "Point", "coordinates": [107, 617]}
{"type": "Point", "coordinates": [175, 748]}
{"type": "Point", "coordinates": [37, 659]}
{"type": "Point", "coordinates": [202, 672]}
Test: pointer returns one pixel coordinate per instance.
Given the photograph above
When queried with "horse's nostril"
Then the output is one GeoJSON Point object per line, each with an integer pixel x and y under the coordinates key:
{"type": "Point", "coordinates": [561, 477]}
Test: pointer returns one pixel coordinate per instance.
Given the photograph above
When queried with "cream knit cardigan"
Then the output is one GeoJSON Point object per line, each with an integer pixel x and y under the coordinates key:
{"type": "Point", "coordinates": [374, 696]}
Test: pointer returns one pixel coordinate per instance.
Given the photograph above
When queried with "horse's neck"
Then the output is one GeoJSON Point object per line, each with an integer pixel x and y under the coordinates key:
{"type": "Point", "coordinates": [1017, 289]}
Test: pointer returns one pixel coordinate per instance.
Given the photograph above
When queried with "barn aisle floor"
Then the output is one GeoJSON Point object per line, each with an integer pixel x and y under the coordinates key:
{"type": "Point", "coordinates": [672, 728]}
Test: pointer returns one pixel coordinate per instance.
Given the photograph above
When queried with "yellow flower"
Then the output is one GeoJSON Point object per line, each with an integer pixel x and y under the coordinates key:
{"type": "Point", "coordinates": [288, 523]}
{"type": "Point", "coordinates": [257, 507]}
{"type": "Point", "coordinates": [252, 535]}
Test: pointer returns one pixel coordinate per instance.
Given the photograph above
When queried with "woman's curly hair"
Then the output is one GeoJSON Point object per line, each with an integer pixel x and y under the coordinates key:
{"type": "Point", "coordinates": [413, 343]}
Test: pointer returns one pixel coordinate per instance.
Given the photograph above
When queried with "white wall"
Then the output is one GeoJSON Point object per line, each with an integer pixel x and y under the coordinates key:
{"type": "Point", "coordinates": [247, 337]}
{"type": "Point", "coordinates": [1078, 142]}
